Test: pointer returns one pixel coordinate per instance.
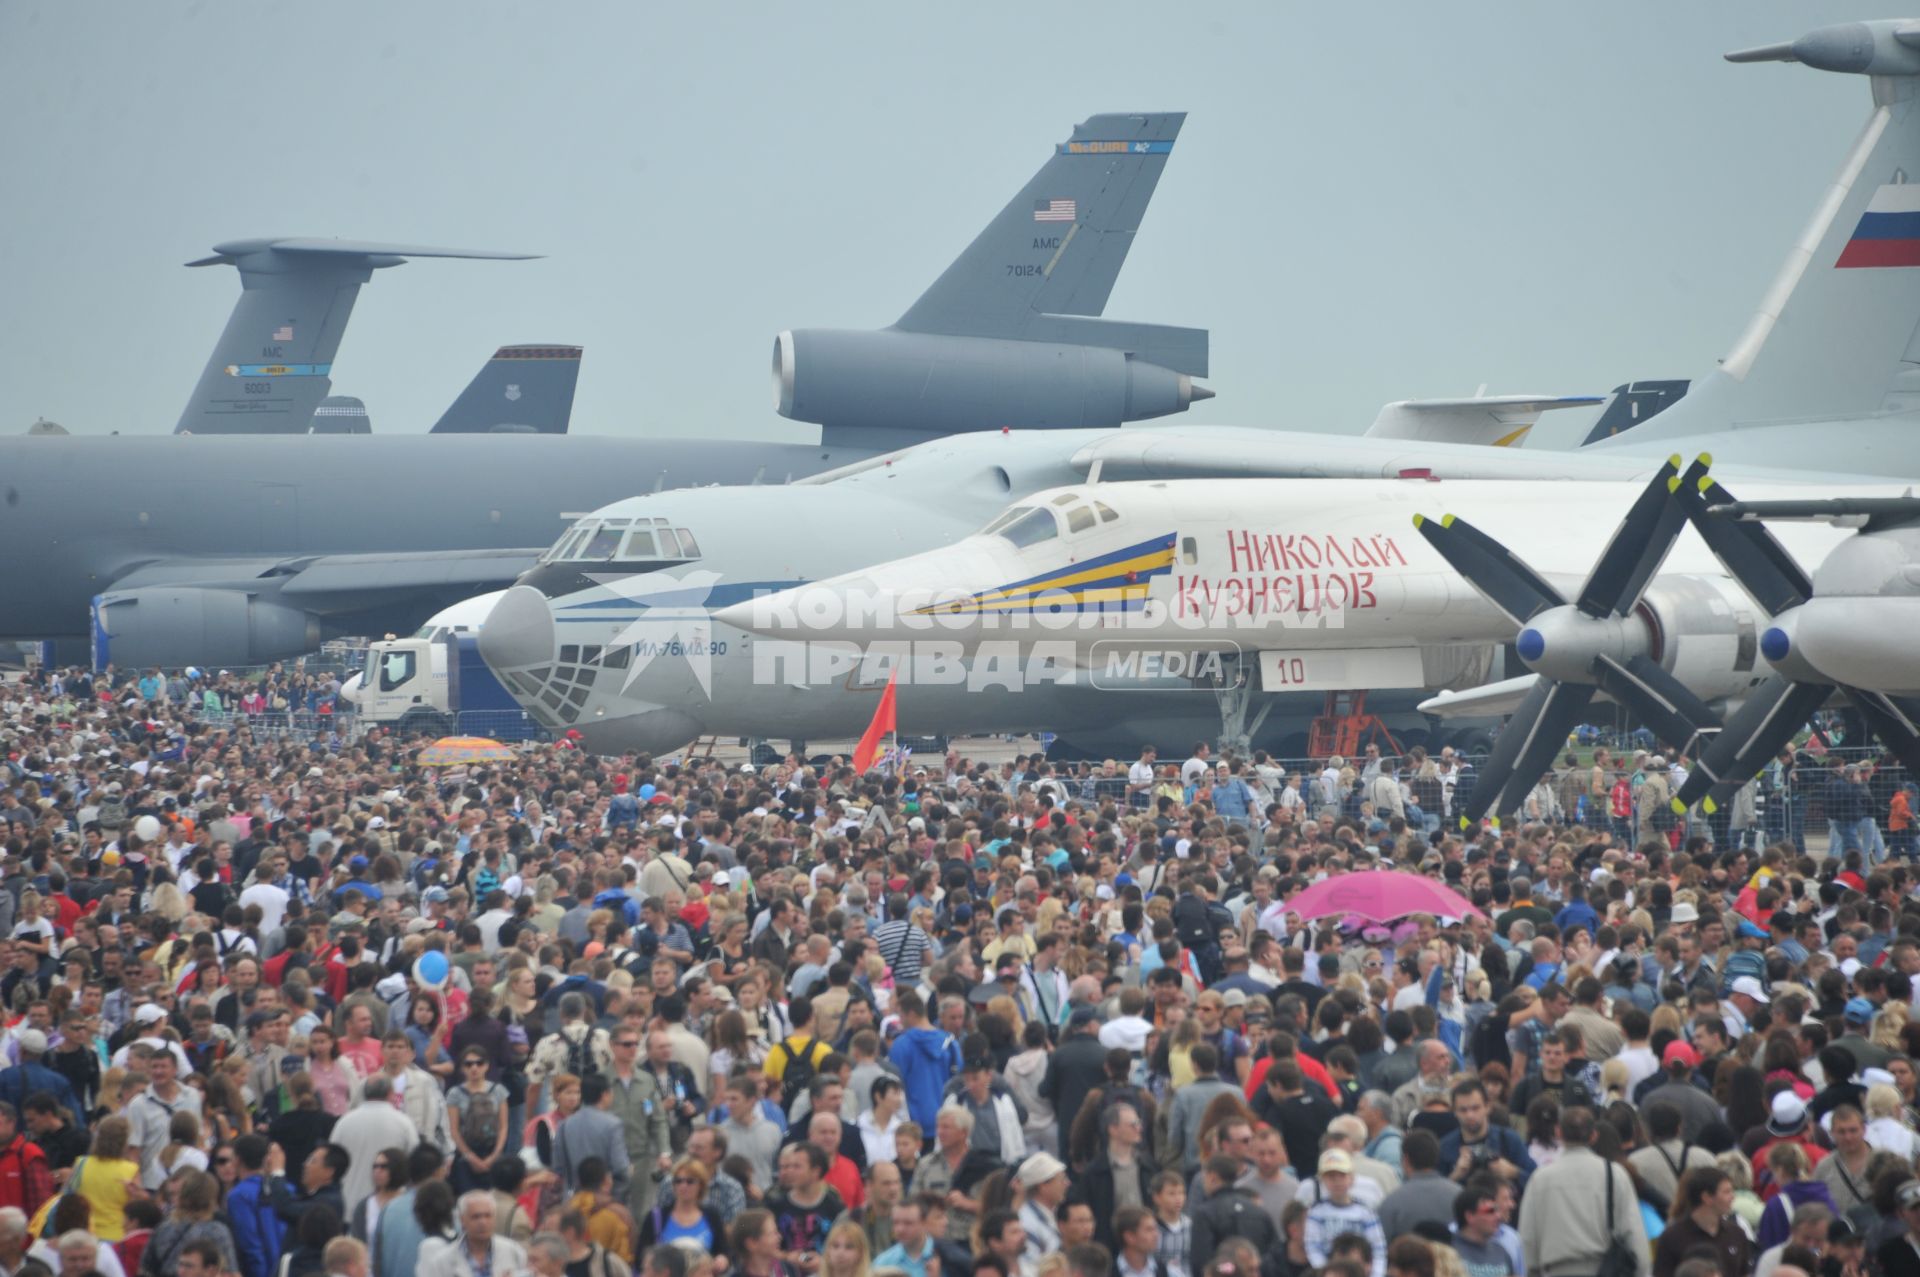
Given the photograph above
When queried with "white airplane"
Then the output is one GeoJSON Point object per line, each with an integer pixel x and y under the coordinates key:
{"type": "Point", "coordinates": [1337, 584]}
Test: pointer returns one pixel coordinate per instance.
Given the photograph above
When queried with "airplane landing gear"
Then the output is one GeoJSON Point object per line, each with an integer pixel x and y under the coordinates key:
{"type": "Point", "coordinates": [1234, 694]}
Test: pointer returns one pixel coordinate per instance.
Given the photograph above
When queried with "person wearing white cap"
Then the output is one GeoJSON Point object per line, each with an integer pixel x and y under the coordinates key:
{"type": "Point", "coordinates": [1044, 1177]}
{"type": "Point", "coordinates": [1743, 1002]}
{"type": "Point", "coordinates": [1336, 1212]}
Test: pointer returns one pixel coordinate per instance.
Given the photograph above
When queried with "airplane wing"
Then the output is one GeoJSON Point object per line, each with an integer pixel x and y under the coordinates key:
{"type": "Point", "coordinates": [219, 609]}
{"type": "Point", "coordinates": [1236, 452]}
{"type": "Point", "coordinates": [1490, 700]}
{"type": "Point", "coordinates": [1497, 420]}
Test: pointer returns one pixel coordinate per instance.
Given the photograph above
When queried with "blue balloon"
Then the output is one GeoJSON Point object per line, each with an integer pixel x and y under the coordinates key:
{"type": "Point", "coordinates": [646, 792]}
{"type": "Point", "coordinates": [431, 969]}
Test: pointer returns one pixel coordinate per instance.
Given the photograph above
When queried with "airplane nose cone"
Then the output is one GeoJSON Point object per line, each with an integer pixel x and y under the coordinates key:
{"type": "Point", "coordinates": [519, 631]}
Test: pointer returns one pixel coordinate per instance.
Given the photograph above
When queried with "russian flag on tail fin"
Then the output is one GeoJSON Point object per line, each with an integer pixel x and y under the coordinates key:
{"type": "Point", "coordinates": [1889, 231]}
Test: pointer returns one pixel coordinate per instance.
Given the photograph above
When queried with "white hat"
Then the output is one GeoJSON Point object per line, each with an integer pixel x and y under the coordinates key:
{"type": "Point", "coordinates": [1038, 1169]}
{"type": "Point", "coordinates": [1684, 912]}
{"type": "Point", "coordinates": [1850, 968]}
{"type": "Point", "coordinates": [1751, 987]}
{"type": "Point", "coordinates": [721, 878]}
{"type": "Point", "coordinates": [148, 1013]}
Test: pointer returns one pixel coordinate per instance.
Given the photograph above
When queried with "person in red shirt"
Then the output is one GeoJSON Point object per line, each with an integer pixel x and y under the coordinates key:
{"type": "Point", "coordinates": [843, 1177]}
{"type": "Point", "coordinates": [25, 1180]}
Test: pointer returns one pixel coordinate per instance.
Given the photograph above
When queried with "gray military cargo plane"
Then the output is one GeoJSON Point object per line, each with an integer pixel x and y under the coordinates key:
{"type": "Point", "coordinates": [239, 550]}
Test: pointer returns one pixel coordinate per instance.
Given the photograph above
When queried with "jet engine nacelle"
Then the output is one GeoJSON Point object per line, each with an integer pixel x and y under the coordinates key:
{"type": "Point", "coordinates": [936, 384]}
{"type": "Point", "coordinates": [1704, 631]}
{"type": "Point", "coordinates": [173, 626]}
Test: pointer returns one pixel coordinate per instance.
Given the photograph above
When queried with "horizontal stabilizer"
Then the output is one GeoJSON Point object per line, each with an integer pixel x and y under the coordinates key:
{"type": "Point", "coordinates": [521, 390]}
{"type": "Point", "coordinates": [1490, 700]}
{"type": "Point", "coordinates": [1179, 349]}
{"type": "Point", "coordinates": [273, 365]}
{"type": "Point", "coordinates": [1496, 420]}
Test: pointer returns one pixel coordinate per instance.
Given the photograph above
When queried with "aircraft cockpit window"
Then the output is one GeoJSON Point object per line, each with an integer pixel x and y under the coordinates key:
{"type": "Point", "coordinates": [1079, 519]}
{"type": "Point", "coordinates": [563, 548]}
{"type": "Point", "coordinates": [639, 544]}
{"type": "Point", "coordinates": [1066, 498]}
{"type": "Point", "coordinates": [1004, 519]}
{"type": "Point", "coordinates": [601, 545]}
{"type": "Point", "coordinates": [669, 543]}
{"type": "Point", "coordinates": [1106, 512]}
{"type": "Point", "coordinates": [689, 548]}
{"type": "Point", "coordinates": [1033, 528]}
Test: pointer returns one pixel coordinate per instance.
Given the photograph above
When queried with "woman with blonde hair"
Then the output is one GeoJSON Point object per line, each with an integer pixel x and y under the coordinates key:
{"type": "Point", "coordinates": [686, 1219]}
{"type": "Point", "coordinates": [539, 1135]}
{"type": "Point", "coordinates": [108, 1178]}
{"type": "Point", "coordinates": [846, 1253]}
{"type": "Point", "coordinates": [1613, 1083]}
{"type": "Point", "coordinates": [1792, 1172]}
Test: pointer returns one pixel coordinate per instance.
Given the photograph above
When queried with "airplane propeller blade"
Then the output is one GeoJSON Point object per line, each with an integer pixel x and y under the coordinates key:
{"type": "Point", "coordinates": [1637, 549]}
{"type": "Point", "coordinates": [1659, 700]}
{"type": "Point", "coordinates": [1750, 552]}
{"type": "Point", "coordinates": [1539, 727]}
{"type": "Point", "coordinates": [1542, 739]}
{"type": "Point", "coordinates": [1773, 714]}
{"type": "Point", "coordinates": [1510, 585]}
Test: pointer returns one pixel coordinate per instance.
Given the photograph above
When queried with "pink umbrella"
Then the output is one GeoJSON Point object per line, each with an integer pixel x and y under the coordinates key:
{"type": "Point", "coordinates": [1379, 896]}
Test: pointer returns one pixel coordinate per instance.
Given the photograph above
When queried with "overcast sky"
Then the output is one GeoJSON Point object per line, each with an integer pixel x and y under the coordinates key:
{"type": "Point", "coordinates": [1367, 203]}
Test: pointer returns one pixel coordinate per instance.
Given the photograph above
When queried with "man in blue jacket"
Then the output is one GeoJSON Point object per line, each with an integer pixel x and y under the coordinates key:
{"type": "Point", "coordinates": [926, 1057]}
{"type": "Point", "coordinates": [1479, 1144]}
{"type": "Point", "coordinates": [258, 1233]}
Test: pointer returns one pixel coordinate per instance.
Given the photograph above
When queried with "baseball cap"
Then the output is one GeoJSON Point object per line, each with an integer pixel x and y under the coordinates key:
{"type": "Point", "coordinates": [1859, 1011]}
{"type": "Point", "coordinates": [1082, 1017]}
{"type": "Point", "coordinates": [358, 862]}
{"type": "Point", "coordinates": [1234, 998]}
{"type": "Point", "coordinates": [435, 895]}
{"type": "Point", "coordinates": [1677, 1050]}
{"type": "Point", "coordinates": [148, 1013]}
{"type": "Point", "coordinates": [1751, 987]}
{"type": "Point", "coordinates": [1337, 1161]}
{"type": "Point", "coordinates": [1789, 1115]}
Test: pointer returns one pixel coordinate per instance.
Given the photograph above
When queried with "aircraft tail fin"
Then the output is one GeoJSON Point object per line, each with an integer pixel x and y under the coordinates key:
{"type": "Point", "coordinates": [525, 390]}
{"type": "Point", "coordinates": [1837, 334]}
{"type": "Point", "coordinates": [271, 368]}
{"type": "Point", "coordinates": [1058, 246]}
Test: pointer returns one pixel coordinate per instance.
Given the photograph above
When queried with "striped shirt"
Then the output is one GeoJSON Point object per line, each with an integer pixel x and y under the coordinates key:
{"type": "Point", "coordinates": [903, 947]}
{"type": "Point", "coordinates": [1326, 1221]}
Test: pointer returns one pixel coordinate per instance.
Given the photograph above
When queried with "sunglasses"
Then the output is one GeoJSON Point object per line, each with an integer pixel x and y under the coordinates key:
{"type": "Point", "coordinates": [686, 1179]}
{"type": "Point", "coordinates": [475, 1064]}
{"type": "Point", "coordinates": [627, 1042]}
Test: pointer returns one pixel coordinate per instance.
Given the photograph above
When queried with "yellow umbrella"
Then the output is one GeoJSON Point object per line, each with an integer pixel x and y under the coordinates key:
{"type": "Point", "coordinates": [453, 751]}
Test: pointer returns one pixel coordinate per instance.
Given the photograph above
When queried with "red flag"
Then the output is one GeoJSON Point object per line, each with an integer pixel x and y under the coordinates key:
{"type": "Point", "coordinates": [883, 724]}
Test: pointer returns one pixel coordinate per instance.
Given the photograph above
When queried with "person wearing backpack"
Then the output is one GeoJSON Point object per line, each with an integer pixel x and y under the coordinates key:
{"type": "Point", "coordinates": [576, 1047]}
{"type": "Point", "coordinates": [795, 1059]}
{"type": "Point", "coordinates": [478, 1109]}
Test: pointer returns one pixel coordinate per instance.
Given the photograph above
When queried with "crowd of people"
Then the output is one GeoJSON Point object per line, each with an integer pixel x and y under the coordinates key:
{"type": "Point", "coordinates": [282, 1006]}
